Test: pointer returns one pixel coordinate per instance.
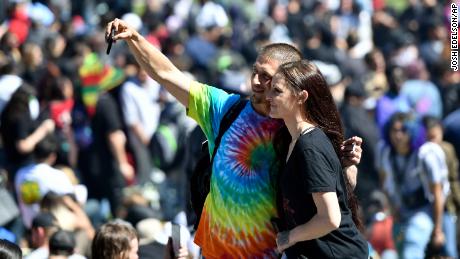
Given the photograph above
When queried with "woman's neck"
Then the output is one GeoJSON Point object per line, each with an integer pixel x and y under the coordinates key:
{"type": "Point", "coordinates": [296, 126]}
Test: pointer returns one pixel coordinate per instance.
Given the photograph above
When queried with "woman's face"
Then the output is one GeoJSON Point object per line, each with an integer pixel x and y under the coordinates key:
{"type": "Point", "coordinates": [283, 102]}
{"type": "Point", "coordinates": [399, 137]}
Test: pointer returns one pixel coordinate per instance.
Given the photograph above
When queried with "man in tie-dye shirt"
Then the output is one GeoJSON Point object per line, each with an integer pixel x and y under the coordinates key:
{"type": "Point", "coordinates": [235, 222]}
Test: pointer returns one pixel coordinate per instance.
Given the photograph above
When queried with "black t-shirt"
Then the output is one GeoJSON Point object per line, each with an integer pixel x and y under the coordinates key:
{"type": "Point", "coordinates": [14, 130]}
{"type": "Point", "coordinates": [314, 167]}
{"type": "Point", "coordinates": [106, 120]}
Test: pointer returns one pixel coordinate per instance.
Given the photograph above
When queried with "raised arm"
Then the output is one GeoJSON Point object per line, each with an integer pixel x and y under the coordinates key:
{"type": "Point", "coordinates": [157, 65]}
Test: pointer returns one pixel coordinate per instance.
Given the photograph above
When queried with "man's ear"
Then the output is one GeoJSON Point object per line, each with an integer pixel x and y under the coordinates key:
{"type": "Point", "coordinates": [303, 96]}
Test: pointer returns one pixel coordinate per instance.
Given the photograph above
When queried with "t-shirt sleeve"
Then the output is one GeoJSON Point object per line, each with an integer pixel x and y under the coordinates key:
{"type": "Point", "coordinates": [207, 106]}
{"type": "Point", "coordinates": [22, 129]}
{"type": "Point", "coordinates": [128, 105]}
{"type": "Point", "coordinates": [111, 117]}
{"type": "Point", "coordinates": [62, 184]}
{"type": "Point", "coordinates": [318, 173]}
{"type": "Point", "coordinates": [433, 162]}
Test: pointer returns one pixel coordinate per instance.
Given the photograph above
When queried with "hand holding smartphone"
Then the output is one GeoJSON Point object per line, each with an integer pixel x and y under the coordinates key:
{"type": "Point", "coordinates": [110, 40]}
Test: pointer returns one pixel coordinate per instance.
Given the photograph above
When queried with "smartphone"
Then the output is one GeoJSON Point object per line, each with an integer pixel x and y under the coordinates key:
{"type": "Point", "coordinates": [110, 40]}
{"type": "Point", "coordinates": [175, 236]}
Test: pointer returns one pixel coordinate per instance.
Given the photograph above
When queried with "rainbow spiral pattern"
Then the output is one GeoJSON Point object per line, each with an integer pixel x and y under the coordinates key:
{"type": "Point", "coordinates": [235, 222]}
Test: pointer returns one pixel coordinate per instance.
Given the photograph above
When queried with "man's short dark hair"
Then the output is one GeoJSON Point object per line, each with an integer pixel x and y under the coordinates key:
{"type": "Point", "coordinates": [430, 122]}
{"type": "Point", "coordinates": [62, 243]}
{"type": "Point", "coordinates": [44, 219]}
{"type": "Point", "coordinates": [9, 250]}
{"type": "Point", "coordinates": [46, 147]}
{"type": "Point", "coordinates": [281, 52]}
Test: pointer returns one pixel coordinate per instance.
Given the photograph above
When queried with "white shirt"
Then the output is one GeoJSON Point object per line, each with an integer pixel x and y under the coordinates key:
{"type": "Point", "coordinates": [8, 85]}
{"type": "Point", "coordinates": [32, 182]}
{"type": "Point", "coordinates": [43, 253]}
{"type": "Point", "coordinates": [140, 106]}
{"type": "Point", "coordinates": [425, 166]}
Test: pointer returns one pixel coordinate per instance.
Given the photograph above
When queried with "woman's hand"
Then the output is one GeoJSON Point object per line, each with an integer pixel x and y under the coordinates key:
{"type": "Point", "coordinates": [282, 241]}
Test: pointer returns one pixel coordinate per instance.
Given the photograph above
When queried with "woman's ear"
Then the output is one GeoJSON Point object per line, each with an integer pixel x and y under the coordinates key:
{"type": "Point", "coordinates": [303, 96]}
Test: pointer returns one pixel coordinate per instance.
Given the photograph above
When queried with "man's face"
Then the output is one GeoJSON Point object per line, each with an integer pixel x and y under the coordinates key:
{"type": "Point", "coordinates": [261, 78]}
{"type": "Point", "coordinates": [435, 134]}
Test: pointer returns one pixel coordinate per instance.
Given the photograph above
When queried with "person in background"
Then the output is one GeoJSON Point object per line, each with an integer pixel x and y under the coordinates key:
{"type": "Point", "coordinates": [9, 250]}
{"type": "Point", "coordinates": [20, 133]}
{"type": "Point", "coordinates": [109, 160]}
{"type": "Point", "coordinates": [414, 176]}
{"type": "Point", "coordinates": [62, 245]}
{"type": "Point", "coordinates": [139, 97]}
{"type": "Point", "coordinates": [44, 225]}
{"type": "Point", "coordinates": [117, 240]}
{"type": "Point", "coordinates": [34, 181]}
{"type": "Point", "coordinates": [435, 134]}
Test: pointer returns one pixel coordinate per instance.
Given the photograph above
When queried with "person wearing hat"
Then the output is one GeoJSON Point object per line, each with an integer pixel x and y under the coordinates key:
{"type": "Point", "coordinates": [44, 225]}
{"type": "Point", "coordinates": [110, 160]}
{"type": "Point", "coordinates": [62, 245]}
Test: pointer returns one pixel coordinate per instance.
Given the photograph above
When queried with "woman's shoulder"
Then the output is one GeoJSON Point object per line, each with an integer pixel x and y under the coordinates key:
{"type": "Point", "coordinates": [314, 139]}
{"type": "Point", "coordinates": [315, 143]}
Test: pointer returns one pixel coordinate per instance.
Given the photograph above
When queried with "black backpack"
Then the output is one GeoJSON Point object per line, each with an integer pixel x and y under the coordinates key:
{"type": "Point", "coordinates": [201, 175]}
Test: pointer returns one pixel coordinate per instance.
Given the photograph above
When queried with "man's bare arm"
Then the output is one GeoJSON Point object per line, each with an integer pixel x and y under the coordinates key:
{"type": "Point", "coordinates": [157, 65]}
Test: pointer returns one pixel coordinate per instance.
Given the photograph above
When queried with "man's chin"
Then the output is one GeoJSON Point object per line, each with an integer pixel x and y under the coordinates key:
{"type": "Point", "coordinates": [259, 98]}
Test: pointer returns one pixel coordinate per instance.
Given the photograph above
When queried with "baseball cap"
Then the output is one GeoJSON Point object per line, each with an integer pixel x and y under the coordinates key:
{"type": "Point", "coordinates": [44, 219]}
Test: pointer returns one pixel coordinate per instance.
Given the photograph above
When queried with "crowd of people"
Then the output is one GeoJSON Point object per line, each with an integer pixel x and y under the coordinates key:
{"type": "Point", "coordinates": [97, 148]}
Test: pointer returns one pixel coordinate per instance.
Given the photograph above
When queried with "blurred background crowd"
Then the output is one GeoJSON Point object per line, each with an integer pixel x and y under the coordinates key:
{"type": "Point", "coordinates": [87, 138]}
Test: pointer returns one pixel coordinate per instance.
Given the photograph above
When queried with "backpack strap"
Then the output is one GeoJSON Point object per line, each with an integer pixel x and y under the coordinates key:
{"type": "Point", "coordinates": [229, 117]}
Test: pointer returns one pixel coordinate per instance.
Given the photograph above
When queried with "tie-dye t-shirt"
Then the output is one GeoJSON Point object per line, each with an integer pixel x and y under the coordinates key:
{"type": "Point", "coordinates": [235, 222]}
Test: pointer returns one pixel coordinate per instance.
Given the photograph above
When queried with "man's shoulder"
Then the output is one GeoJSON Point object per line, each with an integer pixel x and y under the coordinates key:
{"type": "Point", "coordinates": [38, 253]}
{"type": "Point", "coordinates": [38, 171]}
{"type": "Point", "coordinates": [430, 148]}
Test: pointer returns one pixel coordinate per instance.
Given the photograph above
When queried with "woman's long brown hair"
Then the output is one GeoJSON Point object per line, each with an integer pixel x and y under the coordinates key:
{"type": "Point", "coordinates": [321, 110]}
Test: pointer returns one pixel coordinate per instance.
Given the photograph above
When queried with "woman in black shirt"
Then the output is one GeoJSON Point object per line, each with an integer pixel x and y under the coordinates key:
{"type": "Point", "coordinates": [20, 130]}
{"type": "Point", "coordinates": [314, 195]}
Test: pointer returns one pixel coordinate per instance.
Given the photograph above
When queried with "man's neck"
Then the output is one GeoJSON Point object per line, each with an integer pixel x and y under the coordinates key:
{"type": "Point", "coordinates": [262, 108]}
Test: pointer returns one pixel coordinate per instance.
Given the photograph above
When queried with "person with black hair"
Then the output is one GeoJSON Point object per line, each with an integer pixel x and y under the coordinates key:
{"type": "Point", "coordinates": [32, 182]}
{"type": "Point", "coordinates": [9, 250]}
{"type": "Point", "coordinates": [62, 245]}
{"type": "Point", "coordinates": [19, 130]}
{"type": "Point", "coordinates": [435, 134]}
{"type": "Point", "coordinates": [318, 209]}
{"type": "Point", "coordinates": [43, 225]}
{"type": "Point", "coordinates": [414, 174]}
